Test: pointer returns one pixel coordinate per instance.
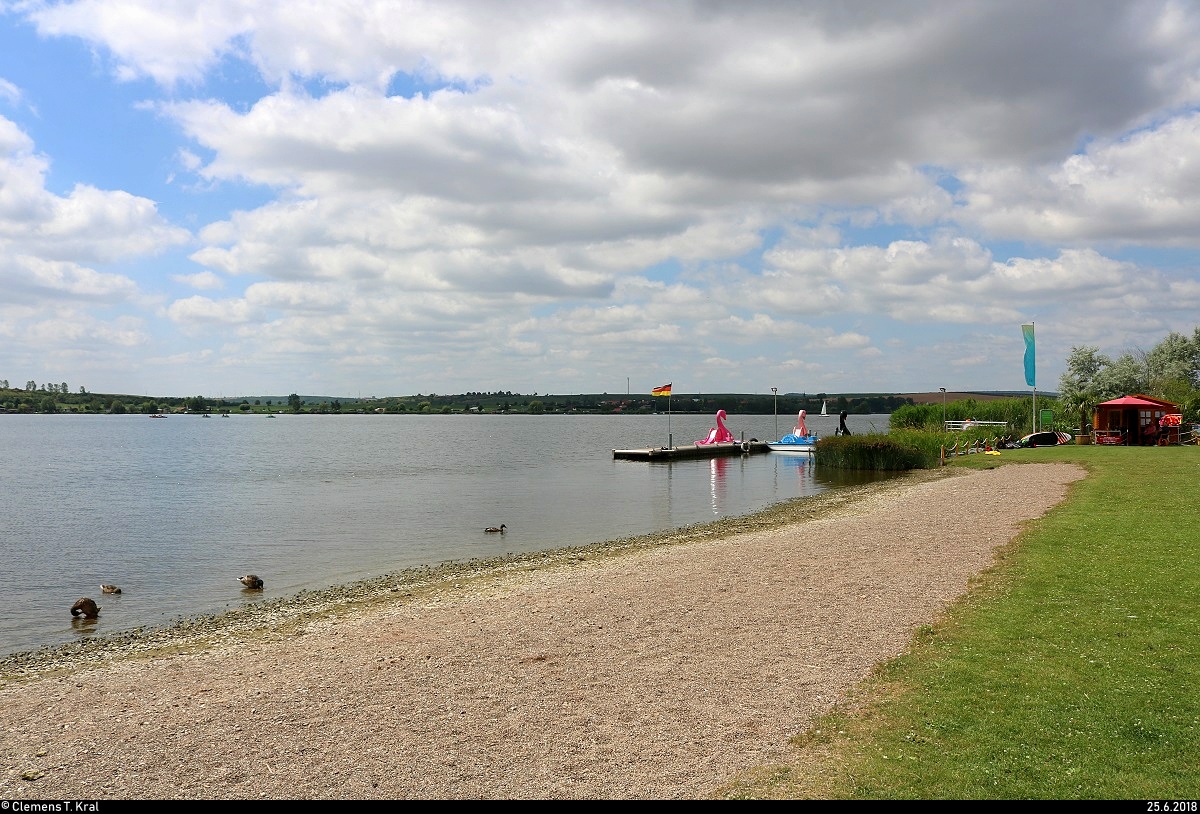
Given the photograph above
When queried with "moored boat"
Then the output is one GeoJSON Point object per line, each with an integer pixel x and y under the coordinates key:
{"type": "Point", "coordinates": [806, 444]}
{"type": "Point", "coordinates": [800, 439]}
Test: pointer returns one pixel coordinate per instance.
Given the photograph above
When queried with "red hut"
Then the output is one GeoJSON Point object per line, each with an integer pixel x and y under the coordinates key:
{"type": "Point", "coordinates": [1137, 420]}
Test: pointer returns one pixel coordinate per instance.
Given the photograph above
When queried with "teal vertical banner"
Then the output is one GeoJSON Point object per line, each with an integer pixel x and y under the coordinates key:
{"type": "Point", "coordinates": [1030, 356]}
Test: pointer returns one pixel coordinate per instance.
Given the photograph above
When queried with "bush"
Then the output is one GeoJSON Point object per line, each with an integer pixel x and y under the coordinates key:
{"type": "Point", "coordinates": [874, 452]}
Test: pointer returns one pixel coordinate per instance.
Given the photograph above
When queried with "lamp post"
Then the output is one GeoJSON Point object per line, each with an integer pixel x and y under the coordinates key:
{"type": "Point", "coordinates": [943, 408]}
{"type": "Point", "coordinates": [775, 391]}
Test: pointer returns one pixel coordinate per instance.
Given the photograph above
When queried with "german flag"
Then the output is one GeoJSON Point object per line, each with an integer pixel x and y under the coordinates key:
{"type": "Point", "coordinates": [665, 390]}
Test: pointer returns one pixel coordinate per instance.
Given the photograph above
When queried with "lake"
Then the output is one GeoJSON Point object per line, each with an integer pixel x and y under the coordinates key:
{"type": "Point", "coordinates": [175, 509]}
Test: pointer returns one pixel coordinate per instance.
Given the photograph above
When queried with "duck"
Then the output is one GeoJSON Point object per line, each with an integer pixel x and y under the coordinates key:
{"type": "Point", "coordinates": [496, 529]}
{"type": "Point", "coordinates": [87, 608]}
{"type": "Point", "coordinates": [109, 589]}
{"type": "Point", "coordinates": [251, 581]}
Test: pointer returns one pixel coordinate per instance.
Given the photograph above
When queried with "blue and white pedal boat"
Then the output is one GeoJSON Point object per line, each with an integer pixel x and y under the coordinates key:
{"type": "Point", "coordinates": [795, 444]}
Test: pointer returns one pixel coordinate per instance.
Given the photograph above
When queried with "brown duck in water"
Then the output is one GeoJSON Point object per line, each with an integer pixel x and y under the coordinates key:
{"type": "Point", "coordinates": [109, 589]}
{"type": "Point", "coordinates": [86, 608]}
{"type": "Point", "coordinates": [251, 581]}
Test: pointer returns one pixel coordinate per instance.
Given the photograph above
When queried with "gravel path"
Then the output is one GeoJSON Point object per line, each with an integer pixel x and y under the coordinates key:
{"type": "Point", "coordinates": [648, 669]}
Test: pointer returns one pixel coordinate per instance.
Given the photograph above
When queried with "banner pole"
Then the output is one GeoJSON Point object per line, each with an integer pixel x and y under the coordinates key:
{"type": "Point", "coordinates": [1031, 368]}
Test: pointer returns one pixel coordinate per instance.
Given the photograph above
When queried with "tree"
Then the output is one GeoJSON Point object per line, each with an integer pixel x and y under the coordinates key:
{"type": "Point", "coordinates": [294, 402]}
{"type": "Point", "coordinates": [1175, 359]}
{"type": "Point", "coordinates": [1127, 374]}
{"type": "Point", "coordinates": [1082, 385]}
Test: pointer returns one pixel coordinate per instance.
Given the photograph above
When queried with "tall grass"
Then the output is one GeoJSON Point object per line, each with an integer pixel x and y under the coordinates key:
{"type": "Point", "coordinates": [876, 452]}
{"type": "Point", "coordinates": [1069, 673]}
{"type": "Point", "coordinates": [917, 435]}
{"type": "Point", "coordinates": [897, 451]}
{"type": "Point", "coordinates": [1017, 412]}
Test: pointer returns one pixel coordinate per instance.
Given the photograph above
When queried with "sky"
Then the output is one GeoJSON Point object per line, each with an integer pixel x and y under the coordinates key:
{"type": "Point", "coordinates": [353, 198]}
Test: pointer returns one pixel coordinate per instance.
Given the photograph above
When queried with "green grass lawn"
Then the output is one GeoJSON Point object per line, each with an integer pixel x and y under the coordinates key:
{"type": "Point", "coordinates": [1071, 671]}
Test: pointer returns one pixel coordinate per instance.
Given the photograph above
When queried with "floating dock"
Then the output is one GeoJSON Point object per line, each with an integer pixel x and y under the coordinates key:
{"type": "Point", "coordinates": [692, 451]}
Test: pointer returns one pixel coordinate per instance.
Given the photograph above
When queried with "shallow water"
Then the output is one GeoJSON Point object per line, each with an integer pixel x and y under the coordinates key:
{"type": "Point", "coordinates": [174, 510]}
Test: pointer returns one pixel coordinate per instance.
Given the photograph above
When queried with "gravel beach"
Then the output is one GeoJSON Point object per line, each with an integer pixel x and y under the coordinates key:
{"type": "Point", "coordinates": [650, 668]}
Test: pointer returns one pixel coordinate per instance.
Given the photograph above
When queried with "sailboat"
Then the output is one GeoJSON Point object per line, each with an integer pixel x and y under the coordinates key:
{"type": "Point", "coordinates": [824, 408]}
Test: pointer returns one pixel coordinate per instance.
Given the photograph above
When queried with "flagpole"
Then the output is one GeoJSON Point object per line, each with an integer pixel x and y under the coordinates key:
{"type": "Point", "coordinates": [658, 392]}
{"type": "Point", "coordinates": [1031, 367]}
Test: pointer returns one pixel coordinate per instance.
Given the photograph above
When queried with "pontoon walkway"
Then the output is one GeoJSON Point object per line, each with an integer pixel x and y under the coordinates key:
{"type": "Point", "coordinates": [692, 451]}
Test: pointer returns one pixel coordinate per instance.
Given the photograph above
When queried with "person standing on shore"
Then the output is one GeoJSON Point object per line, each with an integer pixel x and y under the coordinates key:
{"type": "Point", "coordinates": [842, 428]}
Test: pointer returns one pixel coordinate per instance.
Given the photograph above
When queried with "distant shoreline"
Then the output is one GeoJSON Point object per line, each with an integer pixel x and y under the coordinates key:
{"type": "Point", "coordinates": [14, 402]}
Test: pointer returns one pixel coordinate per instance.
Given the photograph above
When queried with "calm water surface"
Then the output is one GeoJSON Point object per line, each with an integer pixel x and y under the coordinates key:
{"type": "Point", "coordinates": [174, 510]}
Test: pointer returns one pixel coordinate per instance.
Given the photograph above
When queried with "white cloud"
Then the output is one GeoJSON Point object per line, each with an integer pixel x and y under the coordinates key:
{"type": "Point", "coordinates": [167, 40]}
{"type": "Point", "coordinates": [86, 225]}
{"type": "Point", "coordinates": [32, 280]}
{"type": "Point", "coordinates": [9, 92]}
{"type": "Point", "coordinates": [1141, 189]}
{"type": "Point", "coordinates": [202, 281]}
{"type": "Point", "coordinates": [196, 311]}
